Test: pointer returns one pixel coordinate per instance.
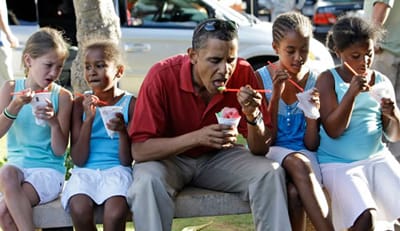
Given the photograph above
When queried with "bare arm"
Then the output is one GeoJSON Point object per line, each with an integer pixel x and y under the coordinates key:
{"type": "Point", "coordinates": [311, 136]}
{"type": "Point", "coordinates": [6, 28]}
{"type": "Point", "coordinates": [12, 105]}
{"type": "Point", "coordinates": [162, 148]}
{"type": "Point", "coordinates": [380, 13]}
{"type": "Point", "coordinates": [124, 140]}
{"type": "Point", "coordinates": [335, 117]}
{"type": "Point", "coordinates": [278, 79]}
{"type": "Point", "coordinates": [81, 131]}
{"type": "Point", "coordinates": [258, 136]}
{"type": "Point", "coordinates": [390, 119]}
{"type": "Point", "coordinates": [60, 123]}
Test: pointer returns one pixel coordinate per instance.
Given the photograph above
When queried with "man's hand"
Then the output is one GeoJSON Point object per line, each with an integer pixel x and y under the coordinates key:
{"type": "Point", "coordinates": [217, 136]}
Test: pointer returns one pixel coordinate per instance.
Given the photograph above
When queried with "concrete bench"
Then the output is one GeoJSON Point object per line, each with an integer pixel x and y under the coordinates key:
{"type": "Point", "coordinates": [191, 202]}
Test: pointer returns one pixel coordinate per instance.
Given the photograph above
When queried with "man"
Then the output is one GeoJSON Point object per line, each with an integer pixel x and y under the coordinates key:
{"type": "Point", "coordinates": [278, 7]}
{"type": "Point", "coordinates": [176, 140]}
{"type": "Point", "coordinates": [386, 13]}
{"type": "Point", "coordinates": [7, 41]}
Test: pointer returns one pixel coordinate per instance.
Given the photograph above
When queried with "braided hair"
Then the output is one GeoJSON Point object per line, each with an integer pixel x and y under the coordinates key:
{"type": "Point", "coordinates": [290, 21]}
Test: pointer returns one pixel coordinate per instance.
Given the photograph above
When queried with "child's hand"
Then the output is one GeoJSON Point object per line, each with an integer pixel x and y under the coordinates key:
{"type": "Point", "coordinates": [89, 105]}
{"type": "Point", "coordinates": [359, 83]}
{"type": "Point", "coordinates": [25, 97]}
{"type": "Point", "coordinates": [315, 98]}
{"type": "Point", "coordinates": [278, 79]}
{"type": "Point", "coordinates": [45, 112]}
{"type": "Point", "coordinates": [117, 124]}
{"type": "Point", "coordinates": [388, 107]}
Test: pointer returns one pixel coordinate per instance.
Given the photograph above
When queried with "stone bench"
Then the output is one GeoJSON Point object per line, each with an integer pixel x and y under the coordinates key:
{"type": "Point", "coordinates": [191, 202]}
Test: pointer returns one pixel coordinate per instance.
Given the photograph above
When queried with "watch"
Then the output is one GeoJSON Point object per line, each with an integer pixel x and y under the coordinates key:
{"type": "Point", "coordinates": [257, 120]}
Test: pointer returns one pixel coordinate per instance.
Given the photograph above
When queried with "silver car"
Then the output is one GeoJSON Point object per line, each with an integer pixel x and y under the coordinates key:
{"type": "Point", "coordinates": [155, 29]}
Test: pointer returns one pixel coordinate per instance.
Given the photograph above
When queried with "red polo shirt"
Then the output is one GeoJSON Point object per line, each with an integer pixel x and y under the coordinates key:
{"type": "Point", "coordinates": [167, 105]}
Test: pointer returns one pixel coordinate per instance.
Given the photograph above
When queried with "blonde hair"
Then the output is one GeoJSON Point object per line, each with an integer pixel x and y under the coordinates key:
{"type": "Point", "coordinates": [46, 39]}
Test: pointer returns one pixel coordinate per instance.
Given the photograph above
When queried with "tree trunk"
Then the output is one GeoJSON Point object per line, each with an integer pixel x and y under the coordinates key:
{"type": "Point", "coordinates": [94, 19]}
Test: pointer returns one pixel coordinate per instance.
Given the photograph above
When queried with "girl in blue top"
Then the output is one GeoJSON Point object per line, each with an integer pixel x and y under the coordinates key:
{"type": "Point", "coordinates": [34, 173]}
{"type": "Point", "coordinates": [293, 134]}
{"type": "Point", "coordinates": [102, 172]}
{"type": "Point", "coordinates": [358, 170]}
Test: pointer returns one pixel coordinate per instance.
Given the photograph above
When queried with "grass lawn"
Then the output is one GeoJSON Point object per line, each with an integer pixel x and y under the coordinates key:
{"type": "Point", "coordinates": [219, 223]}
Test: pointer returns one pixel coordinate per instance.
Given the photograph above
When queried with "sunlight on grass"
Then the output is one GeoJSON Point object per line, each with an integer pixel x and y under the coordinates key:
{"type": "Point", "coordinates": [218, 223]}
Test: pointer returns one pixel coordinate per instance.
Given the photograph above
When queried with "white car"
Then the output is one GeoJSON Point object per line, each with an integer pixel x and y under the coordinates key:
{"type": "Point", "coordinates": [156, 29]}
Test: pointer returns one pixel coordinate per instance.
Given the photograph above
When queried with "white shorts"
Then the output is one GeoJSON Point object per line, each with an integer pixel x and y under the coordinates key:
{"type": "Point", "coordinates": [48, 183]}
{"type": "Point", "coordinates": [361, 185]}
{"type": "Point", "coordinates": [99, 185]}
{"type": "Point", "coordinates": [278, 153]}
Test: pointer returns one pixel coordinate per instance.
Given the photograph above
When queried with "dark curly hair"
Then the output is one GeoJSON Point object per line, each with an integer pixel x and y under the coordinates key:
{"type": "Point", "coordinates": [349, 30]}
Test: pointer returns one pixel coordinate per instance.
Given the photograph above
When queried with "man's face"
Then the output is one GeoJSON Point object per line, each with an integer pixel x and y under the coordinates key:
{"type": "Point", "coordinates": [214, 64]}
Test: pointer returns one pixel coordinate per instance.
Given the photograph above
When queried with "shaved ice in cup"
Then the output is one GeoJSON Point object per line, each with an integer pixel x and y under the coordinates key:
{"type": "Point", "coordinates": [309, 109]}
{"type": "Point", "coordinates": [39, 100]}
{"type": "Point", "coordinates": [228, 116]}
{"type": "Point", "coordinates": [382, 90]}
{"type": "Point", "coordinates": [107, 113]}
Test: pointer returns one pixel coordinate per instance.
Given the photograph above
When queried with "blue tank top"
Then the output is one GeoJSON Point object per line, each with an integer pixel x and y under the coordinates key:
{"type": "Point", "coordinates": [104, 151]}
{"type": "Point", "coordinates": [363, 137]}
{"type": "Point", "coordinates": [28, 144]}
{"type": "Point", "coordinates": [291, 119]}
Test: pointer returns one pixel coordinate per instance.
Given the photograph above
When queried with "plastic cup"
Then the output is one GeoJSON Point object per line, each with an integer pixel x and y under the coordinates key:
{"type": "Point", "coordinates": [382, 90]}
{"type": "Point", "coordinates": [310, 110]}
{"type": "Point", "coordinates": [39, 100]}
{"type": "Point", "coordinates": [107, 113]}
{"type": "Point", "coordinates": [228, 121]}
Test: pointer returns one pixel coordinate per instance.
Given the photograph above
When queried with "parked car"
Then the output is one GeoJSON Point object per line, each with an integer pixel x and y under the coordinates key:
{"type": "Point", "coordinates": [324, 13]}
{"type": "Point", "coordinates": [155, 29]}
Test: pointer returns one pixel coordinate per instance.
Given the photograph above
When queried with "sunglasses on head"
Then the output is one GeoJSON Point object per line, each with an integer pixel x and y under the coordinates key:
{"type": "Point", "coordinates": [214, 25]}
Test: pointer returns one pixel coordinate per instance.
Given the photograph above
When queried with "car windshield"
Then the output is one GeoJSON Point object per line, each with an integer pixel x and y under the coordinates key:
{"type": "Point", "coordinates": [340, 1]}
{"type": "Point", "coordinates": [179, 13]}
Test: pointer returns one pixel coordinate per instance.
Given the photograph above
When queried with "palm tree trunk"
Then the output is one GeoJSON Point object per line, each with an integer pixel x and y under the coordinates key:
{"type": "Point", "coordinates": [94, 19]}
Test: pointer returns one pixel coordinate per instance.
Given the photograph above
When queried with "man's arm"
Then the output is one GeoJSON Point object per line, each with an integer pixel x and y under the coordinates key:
{"type": "Point", "coordinates": [380, 12]}
{"type": "Point", "coordinates": [212, 136]}
{"type": "Point", "coordinates": [6, 29]}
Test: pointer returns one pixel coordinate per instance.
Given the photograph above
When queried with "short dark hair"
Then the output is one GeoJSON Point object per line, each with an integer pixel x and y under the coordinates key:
{"type": "Point", "coordinates": [213, 28]}
{"type": "Point", "coordinates": [349, 30]}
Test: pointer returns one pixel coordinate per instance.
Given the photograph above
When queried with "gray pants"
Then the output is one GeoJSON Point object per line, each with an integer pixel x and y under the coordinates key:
{"type": "Point", "coordinates": [6, 65]}
{"type": "Point", "coordinates": [259, 180]}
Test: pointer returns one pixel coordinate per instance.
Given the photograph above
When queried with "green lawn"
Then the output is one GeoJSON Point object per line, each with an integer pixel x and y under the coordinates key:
{"type": "Point", "coordinates": [219, 223]}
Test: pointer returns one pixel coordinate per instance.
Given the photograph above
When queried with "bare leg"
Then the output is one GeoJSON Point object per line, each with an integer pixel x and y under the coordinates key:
{"type": "Point", "coordinates": [6, 221]}
{"type": "Point", "coordinates": [82, 213]}
{"type": "Point", "coordinates": [19, 197]}
{"type": "Point", "coordinates": [115, 212]}
{"type": "Point", "coordinates": [365, 222]}
{"type": "Point", "coordinates": [299, 171]}
{"type": "Point", "coordinates": [296, 209]}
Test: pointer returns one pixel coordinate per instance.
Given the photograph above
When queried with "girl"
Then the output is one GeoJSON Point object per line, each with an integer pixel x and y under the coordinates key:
{"type": "Point", "coordinates": [359, 171]}
{"type": "Point", "coordinates": [34, 173]}
{"type": "Point", "coordinates": [103, 164]}
{"type": "Point", "coordinates": [293, 133]}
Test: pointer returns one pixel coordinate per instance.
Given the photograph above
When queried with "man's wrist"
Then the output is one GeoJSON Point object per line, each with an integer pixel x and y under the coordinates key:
{"type": "Point", "coordinates": [255, 120]}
